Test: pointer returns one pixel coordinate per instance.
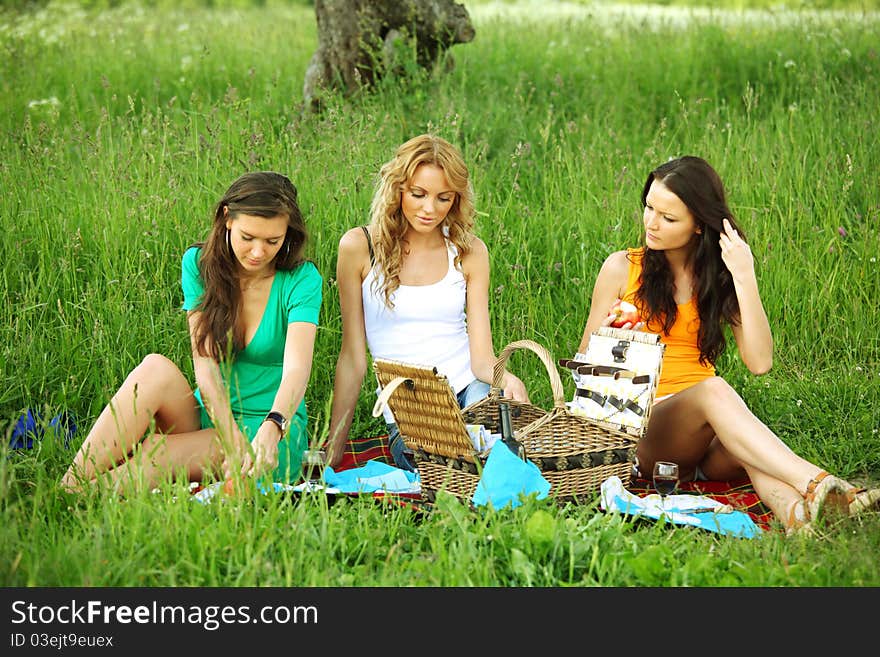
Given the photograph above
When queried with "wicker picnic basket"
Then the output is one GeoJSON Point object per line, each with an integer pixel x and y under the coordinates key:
{"type": "Point", "coordinates": [574, 453]}
{"type": "Point", "coordinates": [486, 411]}
{"type": "Point", "coordinates": [431, 424]}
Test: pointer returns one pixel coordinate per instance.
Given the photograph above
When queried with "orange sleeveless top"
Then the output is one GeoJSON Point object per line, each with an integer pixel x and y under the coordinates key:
{"type": "Point", "coordinates": [681, 361]}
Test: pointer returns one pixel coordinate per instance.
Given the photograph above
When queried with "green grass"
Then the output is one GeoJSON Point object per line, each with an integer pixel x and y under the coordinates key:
{"type": "Point", "coordinates": [560, 116]}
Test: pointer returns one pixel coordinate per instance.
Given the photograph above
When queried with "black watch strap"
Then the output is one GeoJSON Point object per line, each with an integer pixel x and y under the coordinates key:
{"type": "Point", "coordinates": [278, 419]}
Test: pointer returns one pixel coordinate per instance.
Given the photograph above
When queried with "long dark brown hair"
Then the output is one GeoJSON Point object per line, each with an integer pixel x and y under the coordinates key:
{"type": "Point", "coordinates": [699, 187]}
{"type": "Point", "coordinates": [264, 194]}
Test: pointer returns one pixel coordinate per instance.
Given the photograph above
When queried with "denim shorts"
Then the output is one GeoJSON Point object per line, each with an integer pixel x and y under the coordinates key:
{"type": "Point", "coordinates": [470, 394]}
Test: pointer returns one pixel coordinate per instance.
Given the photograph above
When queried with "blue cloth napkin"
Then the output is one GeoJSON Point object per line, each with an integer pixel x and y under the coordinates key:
{"type": "Point", "coordinates": [506, 477]}
{"type": "Point", "coordinates": [371, 477]}
{"type": "Point", "coordinates": [614, 497]}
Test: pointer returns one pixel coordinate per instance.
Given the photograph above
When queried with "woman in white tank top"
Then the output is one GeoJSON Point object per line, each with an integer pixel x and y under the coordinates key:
{"type": "Point", "coordinates": [414, 286]}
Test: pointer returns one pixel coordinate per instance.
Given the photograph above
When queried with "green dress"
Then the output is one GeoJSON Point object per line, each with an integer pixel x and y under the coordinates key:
{"type": "Point", "coordinates": [254, 375]}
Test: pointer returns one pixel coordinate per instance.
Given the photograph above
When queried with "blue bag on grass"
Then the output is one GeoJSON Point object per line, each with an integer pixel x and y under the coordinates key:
{"type": "Point", "coordinates": [27, 428]}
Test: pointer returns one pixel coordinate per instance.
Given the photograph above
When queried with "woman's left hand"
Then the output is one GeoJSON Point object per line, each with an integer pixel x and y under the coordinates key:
{"type": "Point", "coordinates": [735, 253]}
{"type": "Point", "coordinates": [515, 389]}
{"type": "Point", "coordinates": [265, 448]}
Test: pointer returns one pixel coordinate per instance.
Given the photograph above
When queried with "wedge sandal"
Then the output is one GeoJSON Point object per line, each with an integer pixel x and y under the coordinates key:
{"type": "Point", "coordinates": [863, 499]}
{"type": "Point", "coordinates": [799, 526]}
{"type": "Point", "coordinates": [826, 492]}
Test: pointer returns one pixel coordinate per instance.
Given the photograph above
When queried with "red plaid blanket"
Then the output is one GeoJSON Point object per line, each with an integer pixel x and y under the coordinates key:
{"type": "Point", "coordinates": [738, 494]}
{"type": "Point", "coordinates": [360, 450]}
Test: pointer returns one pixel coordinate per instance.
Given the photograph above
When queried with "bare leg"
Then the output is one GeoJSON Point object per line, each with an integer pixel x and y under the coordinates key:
{"type": "Point", "coordinates": [155, 390]}
{"type": "Point", "coordinates": [709, 425]}
{"type": "Point", "coordinates": [776, 494]}
{"type": "Point", "coordinates": [719, 464]}
{"type": "Point", "coordinates": [195, 454]}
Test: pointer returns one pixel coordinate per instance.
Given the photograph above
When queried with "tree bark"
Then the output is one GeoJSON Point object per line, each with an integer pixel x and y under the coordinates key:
{"type": "Point", "coordinates": [358, 39]}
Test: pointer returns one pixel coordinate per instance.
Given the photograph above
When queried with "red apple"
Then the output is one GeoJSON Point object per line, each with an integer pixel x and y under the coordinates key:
{"type": "Point", "coordinates": [624, 312]}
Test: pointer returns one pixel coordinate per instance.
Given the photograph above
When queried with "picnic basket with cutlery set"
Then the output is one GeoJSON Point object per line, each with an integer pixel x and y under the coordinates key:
{"type": "Point", "coordinates": [576, 445]}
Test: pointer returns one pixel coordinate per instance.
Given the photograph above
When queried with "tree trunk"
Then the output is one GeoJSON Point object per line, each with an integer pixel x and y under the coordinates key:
{"type": "Point", "coordinates": [358, 39]}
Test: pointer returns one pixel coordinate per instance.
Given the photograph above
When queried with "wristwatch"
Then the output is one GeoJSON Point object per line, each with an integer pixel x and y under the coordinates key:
{"type": "Point", "coordinates": [279, 420]}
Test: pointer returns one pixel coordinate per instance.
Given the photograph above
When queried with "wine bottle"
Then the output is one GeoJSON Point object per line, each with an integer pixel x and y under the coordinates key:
{"type": "Point", "coordinates": [507, 431]}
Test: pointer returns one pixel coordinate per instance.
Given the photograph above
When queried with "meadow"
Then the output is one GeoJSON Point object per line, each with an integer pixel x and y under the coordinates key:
{"type": "Point", "coordinates": [122, 123]}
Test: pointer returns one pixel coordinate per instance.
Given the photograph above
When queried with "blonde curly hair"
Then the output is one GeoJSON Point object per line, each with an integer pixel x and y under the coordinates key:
{"type": "Point", "coordinates": [387, 223]}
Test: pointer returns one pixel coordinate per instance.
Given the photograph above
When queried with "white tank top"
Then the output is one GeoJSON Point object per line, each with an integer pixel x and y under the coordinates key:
{"type": "Point", "coordinates": [427, 325]}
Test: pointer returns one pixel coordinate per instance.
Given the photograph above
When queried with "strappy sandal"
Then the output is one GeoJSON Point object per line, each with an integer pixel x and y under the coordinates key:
{"type": "Point", "coordinates": [862, 499]}
{"type": "Point", "coordinates": [826, 491]}
{"type": "Point", "coordinates": [799, 526]}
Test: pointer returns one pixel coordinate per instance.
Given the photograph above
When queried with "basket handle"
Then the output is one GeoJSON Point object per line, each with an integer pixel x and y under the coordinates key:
{"type": "Point", "coordinates": [387, 391]}
{"type": "Point", "coordinates": [546, 358]}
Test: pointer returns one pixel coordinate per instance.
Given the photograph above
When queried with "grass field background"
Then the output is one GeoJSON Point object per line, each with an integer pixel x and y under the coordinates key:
{"type": "Point", "coordinates": [122, 123]}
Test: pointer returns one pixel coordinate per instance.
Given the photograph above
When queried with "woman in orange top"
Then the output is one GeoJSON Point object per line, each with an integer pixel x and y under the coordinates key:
{"type": "Point", "coordinates": [695, 273]}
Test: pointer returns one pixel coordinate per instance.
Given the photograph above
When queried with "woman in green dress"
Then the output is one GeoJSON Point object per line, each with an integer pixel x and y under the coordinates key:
{"type": "Point", "coordinates": [252, 305]}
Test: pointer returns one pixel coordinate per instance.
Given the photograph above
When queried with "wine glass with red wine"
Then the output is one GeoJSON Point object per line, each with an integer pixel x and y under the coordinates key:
{"type": "Point", "coordinates": [665, 479]}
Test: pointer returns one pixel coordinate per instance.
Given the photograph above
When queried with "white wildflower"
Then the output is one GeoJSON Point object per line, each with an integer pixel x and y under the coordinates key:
{"type": "Point", "coordinates": [52, 102]}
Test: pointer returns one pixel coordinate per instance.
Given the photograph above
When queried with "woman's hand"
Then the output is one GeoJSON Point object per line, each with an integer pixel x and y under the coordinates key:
{"type": "Point", "coordinates": [265, 450]}
{"type": "Point", "coordinates": [236, 452]}
{"type": "Point", "coordinates": [514, 388]}
{"type": "Point", "coordinates": [336, 451]}
{"type": "Point", "coordinates": [612, 316]}
{"type": "Point", "coordinates": [735, 253]}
